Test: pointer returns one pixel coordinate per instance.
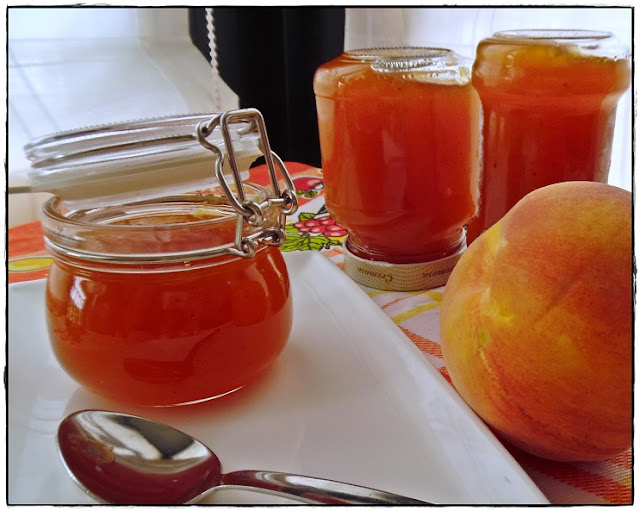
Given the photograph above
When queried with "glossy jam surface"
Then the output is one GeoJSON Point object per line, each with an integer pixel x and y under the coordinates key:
{"type": "Point", "coordinates": [400, 159]}
{"type": "Point", "coordinates": [169, 334]}
{"type": "Point", "coordinates": [549, 113]}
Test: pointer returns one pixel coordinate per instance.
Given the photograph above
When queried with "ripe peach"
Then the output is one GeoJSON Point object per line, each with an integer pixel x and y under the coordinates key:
{"type": "Point", "coordinates": [536, 323]}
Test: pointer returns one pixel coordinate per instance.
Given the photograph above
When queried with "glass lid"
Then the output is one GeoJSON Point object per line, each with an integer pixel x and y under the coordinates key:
{"type": "Point", "coordinates": [135, 160]}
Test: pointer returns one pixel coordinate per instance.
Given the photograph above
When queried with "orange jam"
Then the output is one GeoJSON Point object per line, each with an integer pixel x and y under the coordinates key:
{"type": "Point", "coordinates": [141, 310]}
{"type": "Point", "coordinates": [549, 101]}
{"type": "Point", "coordinates": [399, 136]}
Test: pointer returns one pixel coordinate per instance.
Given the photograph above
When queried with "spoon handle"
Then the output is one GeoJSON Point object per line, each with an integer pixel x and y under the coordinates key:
{"type": "Point", "coordinates": [311, 489]}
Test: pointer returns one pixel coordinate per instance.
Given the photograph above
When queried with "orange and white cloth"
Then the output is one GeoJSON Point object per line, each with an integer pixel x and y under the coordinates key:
{"type": "Point", "coordinates": [416, 314]}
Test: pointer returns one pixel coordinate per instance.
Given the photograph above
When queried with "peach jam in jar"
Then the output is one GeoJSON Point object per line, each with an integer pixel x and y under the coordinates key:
{"type": "Point", "coordinates": [399, 137]}
{"type": "Point", "coordinates": [172, 299]}
{"type": "Point", "coordinates": [549, 101]}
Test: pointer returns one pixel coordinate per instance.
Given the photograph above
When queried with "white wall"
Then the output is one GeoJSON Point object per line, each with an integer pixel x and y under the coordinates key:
{"type": "Point", "coordinates": [73, 67]}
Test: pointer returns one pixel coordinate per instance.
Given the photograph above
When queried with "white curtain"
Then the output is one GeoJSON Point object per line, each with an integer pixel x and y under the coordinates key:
{"type": "Point", "coordinates": [461, 28]}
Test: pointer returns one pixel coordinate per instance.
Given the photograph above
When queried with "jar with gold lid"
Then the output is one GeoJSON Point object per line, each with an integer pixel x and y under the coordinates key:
{"type": "Point", "coordinates": [399, 137]}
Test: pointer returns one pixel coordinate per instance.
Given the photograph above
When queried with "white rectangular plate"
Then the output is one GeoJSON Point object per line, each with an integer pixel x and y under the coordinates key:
{"type": "Point", "coordinates": [350, 399]}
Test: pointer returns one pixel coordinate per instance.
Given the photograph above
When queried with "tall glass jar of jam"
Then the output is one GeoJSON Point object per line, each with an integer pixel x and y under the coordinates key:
{"type": "Point", "coordinates": [549, 101]}
{"type": "Point", "coordinates": [399, 137]}
{"type": "Point", "coordinates": [172, 299]}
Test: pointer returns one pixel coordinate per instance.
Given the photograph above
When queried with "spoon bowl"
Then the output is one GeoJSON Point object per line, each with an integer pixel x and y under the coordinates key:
{"type": "Point", "coordinates": [124, 459]}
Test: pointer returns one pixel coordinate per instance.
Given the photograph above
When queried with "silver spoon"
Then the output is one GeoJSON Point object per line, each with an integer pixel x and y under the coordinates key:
{"type": "Point", "coordinates": [123, 459]}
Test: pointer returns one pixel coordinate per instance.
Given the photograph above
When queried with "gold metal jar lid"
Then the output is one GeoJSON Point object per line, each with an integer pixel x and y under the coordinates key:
{"type": "Point", "coordinates": [401, 277]}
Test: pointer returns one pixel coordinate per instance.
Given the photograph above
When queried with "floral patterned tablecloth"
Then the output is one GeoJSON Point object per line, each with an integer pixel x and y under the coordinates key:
{"type": "Point", "coordinates": [415, 313]}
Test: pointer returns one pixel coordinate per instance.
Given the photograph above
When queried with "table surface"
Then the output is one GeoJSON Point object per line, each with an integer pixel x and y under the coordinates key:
{"type": "Point", "coordinates": [415, 313]}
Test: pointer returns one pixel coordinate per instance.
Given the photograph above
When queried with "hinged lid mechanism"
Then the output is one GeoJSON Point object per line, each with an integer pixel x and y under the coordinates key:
{"type": "Point", "coordinates": [127, 162]}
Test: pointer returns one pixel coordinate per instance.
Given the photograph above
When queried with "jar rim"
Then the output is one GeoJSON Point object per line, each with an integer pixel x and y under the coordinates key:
{"type": "Point", "coordinates": [592, 43]}
{"type": "Point", "coordinates": [553, 34]}
{"type": "Point", "coordinates": [173, 228]}
{"type": "Point", "coordinates": [399, 52]}
{"type": "Point", "coordinates": [51, 209]}
{"type": "Point", "coordinates": [422, 63]}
